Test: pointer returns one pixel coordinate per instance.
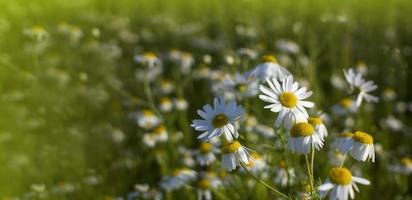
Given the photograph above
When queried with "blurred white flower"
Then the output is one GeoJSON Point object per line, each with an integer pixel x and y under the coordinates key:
{"type": "Point", "coordinates": [361, 86]}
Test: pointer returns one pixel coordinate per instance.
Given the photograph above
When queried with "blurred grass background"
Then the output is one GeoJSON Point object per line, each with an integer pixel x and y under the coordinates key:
{"type": "Point", "coordinates": [60, 102]}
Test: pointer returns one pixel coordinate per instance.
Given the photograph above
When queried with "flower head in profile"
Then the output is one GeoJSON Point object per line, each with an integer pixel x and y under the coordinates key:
{"type": "Point", "coordinates": [147, 119]}
{"type": "Point", "coordinates": [270, 68]}
{"type": "Point", "coordinates": [343, 142]}
{"type": "Point", "coordinates": [361, 87]}
{"type": "Point", "coordinates": [362, 147]}
{"type": "Point", "coordinates": [286, 99]}
{"type": "Point", "coordinates": [218, 120]}
{"type": "Point", "coordinates": [341, 184]}
{"type": "Point", "coordinates": [233, 155]}
{"type": "Point", "coordinates": [320, 128]}
{"type": "Point", "coordinates": [403, 167]}
{"type": "Point", "coordinates": [148, 58]}
{"type": "Point", "coordinates": [207, 181]}
{"type": "Point", "coordinates": [205, 155]}
{"type": "Point", "coordinates": [302, 137]}
{"type": "Point", "coordinates": [178, 178]}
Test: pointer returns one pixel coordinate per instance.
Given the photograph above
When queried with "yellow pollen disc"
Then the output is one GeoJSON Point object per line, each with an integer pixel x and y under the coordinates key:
{"type": "Point", "coordinates": [160, 129]}
{"type": "Point", "coordinates": [148, 113]}
{"type": "Point", "coordinates": [363, 137]}
{"type": "Point", "coordinates": [346, 102]}
{"type": "Point", "coordinates": [282, 164]}
{"type": "Point", "coordinates": [165, 100]}
{"type": "Point", "coordinates": [288, 99]}
{"type": "Point", "coordinates": [205, 147]}
{"type": "Point", "coordinates": [341, 176]}
{"type": "Point", "coordinates": [231, 147]}
{"type": "Point", "coordinates": [302, 129]}
{"type": "Point", "coordinates": [203, 183]}
{"type": "Point", "coordinates": [219, 120]}
{"type": "Point", "coordinates": [149, 55]}
{"type": "Point", "coordinates": [406, 161]}
{"type": "Point", "coordinates": [346, 134]}
{"type": "Point", "coordinates": [269, 58]}
{"type": "Point", "coordinates": [315, 120]}
{"type": "Point", "coordinates": [241, 87]}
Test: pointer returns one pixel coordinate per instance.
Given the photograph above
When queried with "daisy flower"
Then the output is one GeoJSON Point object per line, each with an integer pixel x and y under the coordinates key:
{"type": "Point", "coordinates": [362, 87]}
{"type": "Point", "coordinates": [181, 103]}
{"type": "Point", "coordinates": [239, 86]}
{"type": "Point", "coordinates": [362, 146]}
{"type": "Point", "coordinates": [148, 58]}
{"type": "Point", "coordinates": [159, 134]}
{"type": "Point", "coordinates": [205, 154]}
{"type": "Point", "coordinates": [403, 167]}
{"type": "Point", "coordinates": [287, 99]}
{"type": "Point", "coordinates": [218, 120]}
{"type": "Point", "coordinates": [205, 184]}
{"type": "Point", "coordinates": [256, 163]}
{"type": "Point", "coordinates": [178, 178]}
{"type": "Point", "coordinates": [341, 184]}
{"type": "Point", "coordinates": [284, 175]}
{"type": "Point", "coordinates": [343, 142]}
{"type": "Point", "coordinates": [320, 128]}
{"type": "Point", "coordinates": [270, 68]}
{"type": "Point", "coordinates": [303, 137]}
{"type": "Point", "coordinates": [147, 119]}
{"type": "Point", "coordinates": [233, 155]}
{"type": "Point", "coordinates": [166, 104]}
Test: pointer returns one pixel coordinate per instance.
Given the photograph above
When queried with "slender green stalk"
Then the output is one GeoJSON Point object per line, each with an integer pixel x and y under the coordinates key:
{"type": "Point", "coordinates": [312, 160]}
{"type": "Point", "coordinates": [343, 160]}
{"type": "Point", "coordinates": [264, 183]}
{"type": "Point", "coordinates": [309, 175]}
{"type": "Point", "coordinates": [149, 96]}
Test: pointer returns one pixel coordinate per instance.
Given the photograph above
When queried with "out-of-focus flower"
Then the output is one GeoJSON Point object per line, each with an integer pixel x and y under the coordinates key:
{"type": "Point", "coordinates": [166, 86]}
{"type": "Point", "coordinates": [159, 134]}
{"type": "Point", "coordinates": [343, 142]}
{"type": "Point", "coordinates": [147, 119]}
{"type": "Point", "coordinates": [238, 86]}
{"type": "Point", "coordinates": [284, 175]}
{"type": "Point", "coordinates": [268, 69]}
{"type": "Point", "coordinates": [206, 183]}
{"type": "Point", "coordinates": [178, 178]}
{"type": "Point", "coordinates": [361, 86]}
{"type": "Point", "coordinates": [403, 167]}
{"type": "Point", "coordinates": [166, 104]}
{"type": "Point", "coordinates": [181, 103]}
{"type": "Point", "coordinates": [248, 53]}
{"type": "Point", "coordinates": [265, 131]}
{"type": "Point", "coordinates": [342, 183]}
{"type": "Point", "coordinates": [256, 163]}
{"type": "Point", "coordinates": [392, 123]}
{"type": "Point", "coordinates": [287, 99]}
{"type": "Point", "coordinates": [37, 32]}
{"type": "Point", "coordinates": [218, 120]}
{"type": "Point", "coordinates": [389, 94]}
{"type": "Point", "coordinates": [287, 46]}
{"type": "Point", "coordinates": [148, 58]}
{"type": "Point", "coordinates": [117, 135]}
{"type": "Point", "coordinates": [205, 155]}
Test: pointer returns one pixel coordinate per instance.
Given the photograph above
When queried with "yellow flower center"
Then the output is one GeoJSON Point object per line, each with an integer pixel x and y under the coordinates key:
{"type": "Point", "coordinates": [302, 129]}
{"type": "Point", "coordinates": [288, 99]}
{"type": "Point", "coordinates": [341, 176]}
{"type": "Point", "coordinates": [346, 134]}
{"type": "Point", "coordinates": [315, 120]}
{"type": "Point", "coordinates": [282, 164]}
{"type": "Point", "coordinates": [165, 100]}
{"type": "Point", "coordinates": [346, 102]}
{"type": "Point", "coordinates": [363, 137]}
{"type": "Point", "coordinates": [219, 120]}
{"type": "Point", "coordinates": [269, 58]}
{"type": "Point", "coordinates": [149, 55]}
{"type": "Point", "coordinates": [159, 130]}
{"type": "Point", "coordinates": [205, 147]}
{"type": "Point", "coordinates": [231, 147]}
{"type": "Point", "coordinates": [251, 163]}
{"type": "Point", "coordinates": [148, 113]}
{"type": "Point", "coordinates": [203, 184]}
{"type": "Point", "coordinates": [256, 156]}
{"type": "Point", "coordinates": [241, 87]}
{"type": "Point", "coordinates": [406, 161]}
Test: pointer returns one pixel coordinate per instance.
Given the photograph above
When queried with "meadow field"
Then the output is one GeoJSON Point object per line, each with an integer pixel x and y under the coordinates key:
{"type": "Point", "coordinates": [205, 99]}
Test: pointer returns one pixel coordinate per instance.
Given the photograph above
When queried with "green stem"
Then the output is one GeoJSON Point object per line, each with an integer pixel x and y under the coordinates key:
{"type": "Point", "coordinates": [264, 183]}
{"type": "Point", "coordinates": [149, 96]}
{"type": "Point", "coordinates": [309, 175]}
{"type": "Point", "coordinates": [343, 160]}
